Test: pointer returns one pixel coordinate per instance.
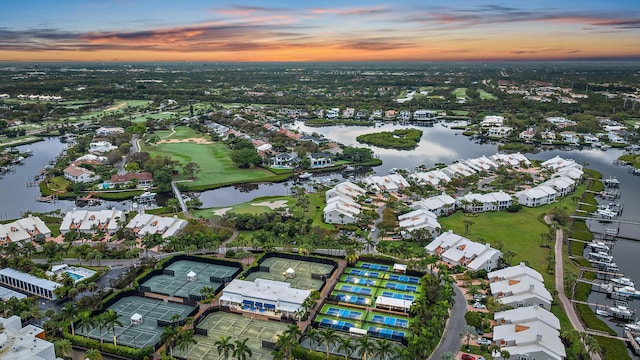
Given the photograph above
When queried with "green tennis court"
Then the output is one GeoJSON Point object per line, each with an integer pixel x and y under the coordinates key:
{"type": "Point", "coordinates": [302, 278]}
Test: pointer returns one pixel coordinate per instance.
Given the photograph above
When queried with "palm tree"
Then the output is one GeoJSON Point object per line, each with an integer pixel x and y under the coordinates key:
{"type": "Point", "coordinates": [169, 334]}
{"type": "Point", "coordinates": [383, 349]}
{"type": "Point", "coordinates": [86, 322]}
{"type": "Point", "coordinates": [313, 335]}
{"type": "Point", "coordinates": [68, 313]}
{"type": "Point", "coordinates": [467, 333]}
{"type": "Point", "coordinates": [224, 347]}
{"type": "Point", "coordinates": [593, 346]}
{"type": "Point", "coordinates": [242, 351]}
{"type": "Point", "coordinates": [363, 346]}
{"type": "Point", "coordinates": [184, 340]}
{"type": "Point", "coordinates": [111, 320]}
{"type": "Point", "coordinates": [100, 322]}
{"type": "Point", "coordinates": [93, 354]}
{"type": "Point", "coordinates": [345, 344]}
{"type": "Point", "coordinates": [63, 348]}
{"type": "Point", "coordinates": [328, 336]}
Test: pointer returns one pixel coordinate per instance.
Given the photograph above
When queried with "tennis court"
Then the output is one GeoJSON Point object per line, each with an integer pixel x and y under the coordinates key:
{"type": "Point", "coordinates": [342, 312]}
{"type": "Point", "coordinates": [146, 333]}
{"type": "Point", "coordinates": [236, 327]}
{"type": "Point", "coordinates": [300, 279]}
{"type": "Point", "coordinates": [359, 280]}
{"type": "Point", "coordinates": [370, 266]}
{"type": "Point", "coordinates": [355, 289]}
{"type": "Point", "coordinates": [383, 319]}
{"type": "Point", "coordinates": [173, 282]}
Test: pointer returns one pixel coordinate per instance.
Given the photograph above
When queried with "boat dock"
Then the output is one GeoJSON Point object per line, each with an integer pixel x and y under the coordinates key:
{"type": "Point", "coordinates": [631, 339]}
{"type": "Point", "coordinates": [47, 199]}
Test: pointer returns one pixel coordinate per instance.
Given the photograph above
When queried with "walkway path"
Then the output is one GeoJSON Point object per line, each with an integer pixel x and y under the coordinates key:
{"type": "Point", "coordinates": [178, 196]}
{"type": "Point", "coordinates": [559, 273]}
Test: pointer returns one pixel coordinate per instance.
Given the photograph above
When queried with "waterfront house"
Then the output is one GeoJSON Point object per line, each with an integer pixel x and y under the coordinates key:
{"type": "Point", "coordinates": [424, 115]}
{"type": "Point", "coordinates": [433, 177]}
{"type": "Point", "coordinates": [90, 222]}
{"type": "Point", "coordinates": [143, 179]}
{"type": "Point", "coordinates": [101, 147]}
{"type": "Point", "coordinates": [108, 130]}
{"type": "Point", "coordinates": [458, 250]}
{"type": "Point", "coordinates": [143, 224]}
{"type": "Point", "coordinates": [521, 291]}
{"type": "Point", "coordinates": [557, 163]}
{"type": "Point", "coordinates": [458, 169]}
{"type": "Point", "coordinates": [570, 137]}
{"type": "Point", "coordinates": [320, 160]}
{"type": "Point", "coordinates": [527, 135]}
{"type": "Point", "coordinates": [529, 340]}
{"type": "Point", "coordinates": [492, 120]}
{"type": "Point", "coordinates": [481, 163]}
{"type": "Point", "coordinates": [564, 185]}
{"type": "Point", "coordinates": [391, 182]}
{"type": "Point", "coordinates": [515, 160]}
{"type": "Point", "coordinates": [79, 174]}
{"type": "Point", "coordinates": [284, 161]}
{"type": "Point", "coordinates": [404, 115]}
{"type": "Point", "coordinates": [499, 131]}
{"type": "Point", "coordinates": [22, 230]}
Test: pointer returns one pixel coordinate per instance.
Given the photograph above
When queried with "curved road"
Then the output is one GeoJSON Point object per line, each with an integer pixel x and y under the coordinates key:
{"type": "Point", "coordinates": [451, 340]}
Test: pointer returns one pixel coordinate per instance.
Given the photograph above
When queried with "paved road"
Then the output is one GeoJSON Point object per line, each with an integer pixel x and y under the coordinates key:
{"type": "Point", "coordinates": [451, 340]}
{"type": "Point", "coordinates": [559, 280]}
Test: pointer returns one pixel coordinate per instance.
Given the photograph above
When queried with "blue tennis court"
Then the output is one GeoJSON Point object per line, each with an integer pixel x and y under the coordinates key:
{"type": "Point", "coordinates": [390, 321]}
{"type": "Point", "coordinates": [360, 281]}
{"type": "Point", "coordinates": [338, 324]}
{"type": "Point", "coordinates": [344, 313]}
{"type": "Point", "coordinates": [355, 289]}
{"type": "Point", "coordinates": [401, 287]}
{"type": "Point", "coordinates": [404, 279]}
{"type": "Point", "coordinates": [393, 295]}
{"type": "Point", "coordinates": [386, 333]}
{"type": "Point", "coordinates": [374, 266]}
{"type": "Point", "coordinates": [365, 273]}
{"type": "Point", "coordinates": [352, 299]}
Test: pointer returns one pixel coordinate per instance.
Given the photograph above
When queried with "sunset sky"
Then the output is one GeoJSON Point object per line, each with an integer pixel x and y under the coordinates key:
{"type": "Point", "coordinates": [329, 30]}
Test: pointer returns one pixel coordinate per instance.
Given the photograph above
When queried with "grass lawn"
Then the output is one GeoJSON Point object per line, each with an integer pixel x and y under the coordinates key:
{"type": "Point", "coordinates": [155, 116]}
{"type": "Point", "coordinates": [460, 92]}
{"type": "Point", "coordinates": [58, 183]}
{"type": "Point", "coordinates": [485, 95]}
{"type": "Point", "coordinates": [245, 208]}
{"type": "Point", "coordinates": [216, 167]}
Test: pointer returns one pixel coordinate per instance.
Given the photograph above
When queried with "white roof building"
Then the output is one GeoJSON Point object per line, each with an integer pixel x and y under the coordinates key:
{"type": "Point", "coordinates": [475, 203]}
{"type": "Point", "coordinates": [28, 283]}
{"type": "Point", "coordinates": [440, 205]}
{"type": "Point", "coordinates": [143, 224]}
{"type": "Point", "coordinates": [392, 182]}
{"type": "Point", "coordinates": [266, 294]}
{"type": "Point", "coordinates": [536, 196]}
{"type": "Point", "coordinates": [79, 174]}
{"type": "Point", "coordinates": [346, 188]}
{"type": "Point", "coordinates": [564, 185]}
{"type": "Point", "coordinates": [514, 160]}
{"type": "Point", "coordinates": [419, 219]}
{"type": "Point", "coordinates": [521, 291]}
{"type": "Point", "coordinates": [83, 221]}
{"type": "Point", "coordinates": [492, 120]}
{"type": "Point", "coordinates": [109, 130]}
{"type": "Point", "coordinates": [526, 315]}
{"type": "Point", "coordinates": [23, 229]}
{"type": "Point", "coordinates": [22, 343]}
{"type": "Point", "coordinates": [433, 177]}
{"type": "Point", "coordinates": [514, 272]}
{"type": "Point", "coordinates": [101, 147]}
{"type": "Point", "coordinates": [556, 163]}
{"type": "Point", "coordinates": [458, 250]}
{"type": "Point", "coordinates": [341, 210]}
{"type": "Point", "coordinates": [482, 163]}
{"type": "Point", "coordinates": [530, 340]}
{"type": "Point", "coordinates": [458, 169]}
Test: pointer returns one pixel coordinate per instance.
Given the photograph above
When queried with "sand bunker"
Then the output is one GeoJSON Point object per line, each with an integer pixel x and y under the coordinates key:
{"type": "Point", "coordinates": [220, 212]}
{"type": "Point", "coordinates": [116, 107]}
{"type": "Point", "coordinates": [272, 204]}
{"type": "Point", "coordinates": [189, 140]}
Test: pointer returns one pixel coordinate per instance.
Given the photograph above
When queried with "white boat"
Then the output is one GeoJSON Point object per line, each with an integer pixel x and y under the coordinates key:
{"type": "Point", "coordinates": [598, 246]}
{"type": "Point", "coordinates": [305, 175]}
{"type": "Point", "coordinates": [611, 182]}
{"type": "Point", "coordinates": [621, 312]}
{"type": "Point", "coordinates": [604, 147]}
{"type": "Point", "coordinates": [600, 256]}
{"type": "Point", "coordinates": [635, 326]}
{"type": "Point", "coordinates": [602, 312]}
{"type": "Point", "coordinates": [627, 291]}
{"type": "Point", "coordinates": [349, 168]}
{"type": "Point", "coordinates": [623, 281]}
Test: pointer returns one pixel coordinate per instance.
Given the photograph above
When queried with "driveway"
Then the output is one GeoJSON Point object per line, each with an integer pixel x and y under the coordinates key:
{"type": "Point", "coordinates": [451, 341]}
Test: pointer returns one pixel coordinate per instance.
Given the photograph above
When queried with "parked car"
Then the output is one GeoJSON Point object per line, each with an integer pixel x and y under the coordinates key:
{"type": "Point", "coordinates": [479, 305]}
{"type": "Point", "coordinates": [484, 341]}
{"type": "Point", "coordinates": [468, 357]}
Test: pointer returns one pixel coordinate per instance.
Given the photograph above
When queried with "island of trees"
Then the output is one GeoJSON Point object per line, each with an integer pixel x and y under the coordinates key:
{"type": "Point", "coordinates": [404, 139]}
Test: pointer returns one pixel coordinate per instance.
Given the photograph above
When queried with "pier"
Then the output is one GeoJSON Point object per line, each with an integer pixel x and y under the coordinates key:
{"type": "Point", "coordinates": [178, 196]}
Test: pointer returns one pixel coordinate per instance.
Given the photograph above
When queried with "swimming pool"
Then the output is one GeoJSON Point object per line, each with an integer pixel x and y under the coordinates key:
{"type": "Point", "coordinates": [74, 276]}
